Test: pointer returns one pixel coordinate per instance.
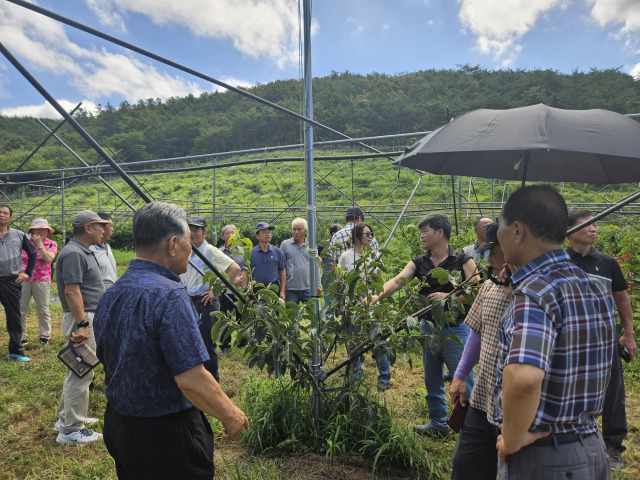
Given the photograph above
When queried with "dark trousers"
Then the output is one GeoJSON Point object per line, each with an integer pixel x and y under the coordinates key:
{"type": "Point", "coordinates": [205, 324]}
{"type": "Point", "coordinates": [228, 305]}
{"type": "Point", "coordinates": [170, 447]}
{"type": "Point", "coordinates": [475, 455]}
{"type": "Point", "coordinates": [10, 293]}
{"type": "Point", "coordinates": [614, 416]}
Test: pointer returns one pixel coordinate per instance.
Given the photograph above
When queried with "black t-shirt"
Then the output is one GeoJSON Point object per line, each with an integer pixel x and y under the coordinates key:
{"type": "Point", "coordinates": [423, 263]}
{"type": "Point", "coordinates": [598, 263]}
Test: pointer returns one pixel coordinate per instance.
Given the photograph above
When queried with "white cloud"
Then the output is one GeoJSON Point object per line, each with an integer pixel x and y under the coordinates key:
{"type": "Point", "coordinates": [499, 25]}
{"type": "Point", "coordinates": [635, 72]}
{"type": "Point", "coordinates": [45, 110]}
{"type": "Point", "coordinates": [625, 12]}
{"type": "Point", "coordinates": [106, 14]}
{"type": "Point", "coordinates": [43, 46]}
{"type": "Point", "coordinates": [233, 82]}
{"type": "Point", "coordinates": [258, 28]}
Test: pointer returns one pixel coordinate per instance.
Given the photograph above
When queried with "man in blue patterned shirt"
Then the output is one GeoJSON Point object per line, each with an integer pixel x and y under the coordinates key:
{"type": "Point", "coordinates": [556, 342]}
{"type": "Point", "coordinates": [148, 339]}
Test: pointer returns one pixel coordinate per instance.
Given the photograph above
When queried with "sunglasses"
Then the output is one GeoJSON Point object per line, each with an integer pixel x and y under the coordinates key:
{"type": "Point", "coordinates": [368, 234]}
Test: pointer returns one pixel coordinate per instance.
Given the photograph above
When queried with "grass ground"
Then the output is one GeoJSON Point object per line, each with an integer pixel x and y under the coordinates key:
{"type": "Point", "coordinates": [29, 395]}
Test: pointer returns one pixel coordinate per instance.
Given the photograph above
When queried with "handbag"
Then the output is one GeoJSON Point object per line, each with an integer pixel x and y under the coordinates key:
{"type": "Point", "coordinates": [80, 360]}
{"type": "Point", "coordinates": [456, 416]}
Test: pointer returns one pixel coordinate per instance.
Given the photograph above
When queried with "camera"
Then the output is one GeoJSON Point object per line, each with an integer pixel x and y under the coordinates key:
{"type": "Point", "coordinates": [624, 354]}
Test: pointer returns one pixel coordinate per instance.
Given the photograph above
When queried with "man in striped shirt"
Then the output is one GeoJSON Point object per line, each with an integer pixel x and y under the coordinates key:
{"type": "Point", "coordinates": [557, 341]}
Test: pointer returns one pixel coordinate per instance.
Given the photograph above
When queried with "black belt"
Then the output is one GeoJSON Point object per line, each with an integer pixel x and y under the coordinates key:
{"type": "Point", "coordinates": [560, 439]}
{"type": "Point", "coordinates": [8, 278]}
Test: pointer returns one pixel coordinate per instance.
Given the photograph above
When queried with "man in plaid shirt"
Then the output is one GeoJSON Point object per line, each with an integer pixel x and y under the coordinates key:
{"type": "Point", "coordinates": [557, 342]}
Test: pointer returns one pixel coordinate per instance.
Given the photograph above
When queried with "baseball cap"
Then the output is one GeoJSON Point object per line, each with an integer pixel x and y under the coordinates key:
{"type": "Point", "coordinates": [197, 222]}
{"type": "Point", "coordinates": [355, 212]}
{"type": "Point", "coordinates": [490, 238]}
{"type": "Point", "coordinates": [262, 226]}
{"type": "Point", "coordinates": [85, 217]}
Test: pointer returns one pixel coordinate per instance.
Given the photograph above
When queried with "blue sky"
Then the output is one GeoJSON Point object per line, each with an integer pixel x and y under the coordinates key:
{"type": "Point", "coordinates": [244, 42]}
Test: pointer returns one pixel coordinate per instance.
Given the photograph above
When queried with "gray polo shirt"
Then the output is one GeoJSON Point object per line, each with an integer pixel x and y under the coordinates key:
{"type": "Point", "coordinates": [297, 262]}
{"type": "Point", "coordinates": [107, 264]}
{"type": "Point", "coordinates": [11, 246]}
{"type": "Point", "coordinates": [77, 264]}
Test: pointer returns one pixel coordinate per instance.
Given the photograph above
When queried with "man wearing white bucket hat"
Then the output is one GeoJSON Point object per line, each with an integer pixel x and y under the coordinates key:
{"type": "Point", "coordinates": [38, 285]}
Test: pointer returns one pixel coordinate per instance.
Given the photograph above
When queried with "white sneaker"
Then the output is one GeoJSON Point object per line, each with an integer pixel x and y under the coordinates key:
{"type": "Point", "coordinates": [79, 437]}
{"type": "Point", "coordinates": [87, 421]}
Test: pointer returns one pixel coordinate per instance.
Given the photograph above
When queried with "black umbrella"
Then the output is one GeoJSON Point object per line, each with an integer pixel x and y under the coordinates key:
{"type": "Point", "coordinates": [533, 143]}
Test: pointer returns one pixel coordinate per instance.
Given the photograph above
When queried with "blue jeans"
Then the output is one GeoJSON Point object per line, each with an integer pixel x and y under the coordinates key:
{"type": "Point", "coordinates": [382, 362]}
{"type": "Point", "coordinates": [434, 371]}
{"type": "Point", "coordinates": [297, 296]}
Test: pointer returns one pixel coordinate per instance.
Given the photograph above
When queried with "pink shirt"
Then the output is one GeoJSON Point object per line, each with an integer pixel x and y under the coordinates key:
{"type": "Point", "coordinates": [42, 270]}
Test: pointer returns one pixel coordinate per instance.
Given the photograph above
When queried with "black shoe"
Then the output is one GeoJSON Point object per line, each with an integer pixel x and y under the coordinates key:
{"type": "Point", "coordinates": [615, 459]}
{"type": "Point", "coordinates": [383, 386]}
{"type": "Point", "coordinates": [429, 431]}
{"type": "Point", "coordinates": [24, 342]}
{"type": "Point", "coordinates": [44, 342]}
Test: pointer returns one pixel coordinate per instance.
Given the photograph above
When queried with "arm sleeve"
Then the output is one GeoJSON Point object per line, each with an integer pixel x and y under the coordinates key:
{"type": "Point", "coordinates": [470, 356]}
{"type": "Point", "coordinates": [31, 254]}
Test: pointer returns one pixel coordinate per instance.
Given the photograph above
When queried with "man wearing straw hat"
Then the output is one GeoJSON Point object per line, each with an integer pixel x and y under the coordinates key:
{"type": "Point", "coordinates": [38, 285]}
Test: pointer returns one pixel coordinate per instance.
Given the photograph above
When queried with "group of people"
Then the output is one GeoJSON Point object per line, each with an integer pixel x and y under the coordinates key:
{"type": "Point", "coordinates": [541, 333]}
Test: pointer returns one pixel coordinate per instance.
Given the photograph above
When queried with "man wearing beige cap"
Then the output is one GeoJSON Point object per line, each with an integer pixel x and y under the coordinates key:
{"type": "Point", "coordinates": [38, 285]}
{"type": "Point", "coordinates": [80, 287]}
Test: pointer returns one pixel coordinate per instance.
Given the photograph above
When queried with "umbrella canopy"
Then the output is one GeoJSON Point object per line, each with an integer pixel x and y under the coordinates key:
{"type": "Point", "coordinates": [532, 143]}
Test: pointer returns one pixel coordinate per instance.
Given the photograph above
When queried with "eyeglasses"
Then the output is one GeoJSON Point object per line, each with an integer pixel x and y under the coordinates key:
{"type": "Point", "coordinates": [368, 234]}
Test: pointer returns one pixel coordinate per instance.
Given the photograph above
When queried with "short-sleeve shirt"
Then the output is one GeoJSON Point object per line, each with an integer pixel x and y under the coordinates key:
{"type": "Point", "coordinates": [12, 245]}
{"type": "Point", "coordinates": [471, 251]}
{"type": "Point", "coordinates": [77, 264]}
{"type": "Point", "coordinates": [562, 321]}
{"type": "Point", "coordinates": [601, 264]}
{"type": "Point", "coordinates": [192, 279]}
{"type": "Point", "coordinates": [267, 265]}
{"type": "Point", "coordinates": [146, 331]}
{"type": "Point", "coordinates": [42, 270]}
{"type": "Point", "coordinates": [107, 264]}
{"type": "Point", "coordinates": [454, 261]}
{"type": "Point", "coordinates": [483, 317]}
{"type": "Point", "coordinates": [297, 265]}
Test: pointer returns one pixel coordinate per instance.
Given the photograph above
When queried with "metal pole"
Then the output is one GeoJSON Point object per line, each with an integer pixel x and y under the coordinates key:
{"type": "Point", "coordinates": [453, 202]}
{"type": "Point", "coordinates": [311, 202]}
{"type": "Point", "coordinates": [415, 189]}
{"type": "Point", "coordinates": [62, 219]}
{"type": "Point", "coordinates": [213, 211]}
{"type": "Point", "coordinates": [89, 139]}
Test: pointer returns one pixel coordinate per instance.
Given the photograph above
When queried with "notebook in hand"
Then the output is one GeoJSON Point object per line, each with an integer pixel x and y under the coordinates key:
{"type": "Point", "coordinates": [456, 416]}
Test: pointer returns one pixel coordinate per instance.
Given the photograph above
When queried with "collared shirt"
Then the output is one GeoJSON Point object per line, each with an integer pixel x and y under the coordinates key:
{"type": "Point", "coordinates": [339, 241]}
{"type": "Point", "coordinates": [237, 255]}
{"type": "Point", "coordinates": [192, 279]}
{"type": "Point", "coordinates": [561, 321]}
{"type": "Point", "coordinates": [297, 263]}
{"type": "Point", "coordinates": [146, 331]}
{"type": "Point", "coordinates": [471, 251]}
{"type": "Point", "coordinates": [454, 261]}
{"type": "Point", "coordinates": [77, 264]}
{"type": "Point", "coordinates": [42, 270]}
{"type": "Point", "coordinates": [11, 247]}
{"type": "Point", "coordinates": [107, 264]}
{"type": "Point", "coordinates": [601, 264]}
{"type": "Point", "coordinates": [483, 318]}
{"type": "Point", "coordinates": [266, 266]}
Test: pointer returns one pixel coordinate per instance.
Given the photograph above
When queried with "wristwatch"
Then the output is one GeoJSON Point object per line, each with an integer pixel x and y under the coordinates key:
{"type": "Point", "coordinates": [84, 323]}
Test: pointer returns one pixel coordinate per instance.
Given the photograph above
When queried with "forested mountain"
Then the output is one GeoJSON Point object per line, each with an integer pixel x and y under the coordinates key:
{"type": "Point", "coordinates": [358, 105]}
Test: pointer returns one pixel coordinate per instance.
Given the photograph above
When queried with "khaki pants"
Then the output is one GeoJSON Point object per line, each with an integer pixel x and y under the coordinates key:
{"type": "Point", "coordinates": [74, 403]}
{"type": "Point", "coordinates": [40, 292]}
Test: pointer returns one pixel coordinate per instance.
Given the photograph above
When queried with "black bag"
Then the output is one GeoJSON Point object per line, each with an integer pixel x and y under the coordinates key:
{"type": "Point", "coordinates": [81, 360]}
